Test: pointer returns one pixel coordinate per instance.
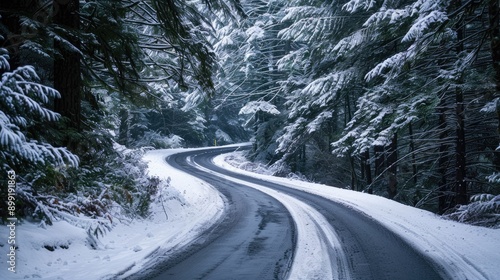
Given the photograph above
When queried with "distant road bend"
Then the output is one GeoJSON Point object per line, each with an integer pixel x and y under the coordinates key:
{"type": "Point", "coordinates": [257, 237]}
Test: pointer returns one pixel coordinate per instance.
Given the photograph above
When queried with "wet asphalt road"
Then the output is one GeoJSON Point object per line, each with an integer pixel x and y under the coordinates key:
{"type": "Point", "coordinates": [255, 239]}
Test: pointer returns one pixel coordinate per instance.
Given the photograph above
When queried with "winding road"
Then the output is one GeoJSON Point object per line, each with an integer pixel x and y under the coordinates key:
{"type": "Point", "coordinates": [270, 231]}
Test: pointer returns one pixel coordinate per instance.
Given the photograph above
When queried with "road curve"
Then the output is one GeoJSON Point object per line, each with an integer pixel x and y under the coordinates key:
{"type": "Point", "coordinates": [253, 240]}
{"type": "Point", "coordinates": [374, 252]}
{"type": "Point", "coordinates": [256, 237]}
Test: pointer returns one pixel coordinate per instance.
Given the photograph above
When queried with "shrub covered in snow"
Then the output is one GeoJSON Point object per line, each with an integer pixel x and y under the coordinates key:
{"type": "Point", "coordinates": [156, 140]}
{"type": "Point", "coordinates": [483, 210]}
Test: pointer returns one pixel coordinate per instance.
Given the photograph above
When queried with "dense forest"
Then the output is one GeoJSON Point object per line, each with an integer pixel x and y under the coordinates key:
{"type": "Point", "coordinates": [394, 98]}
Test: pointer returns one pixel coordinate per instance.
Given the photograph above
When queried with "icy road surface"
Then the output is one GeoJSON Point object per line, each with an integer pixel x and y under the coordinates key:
{"type": "Point", "coordinates": [271, 231]}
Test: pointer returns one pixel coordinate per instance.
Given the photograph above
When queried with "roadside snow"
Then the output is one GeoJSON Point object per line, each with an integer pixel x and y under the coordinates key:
{"type": "Point", "coordinates": [463, 251]}
{"type": "Point", "coordinates": [60, 251]}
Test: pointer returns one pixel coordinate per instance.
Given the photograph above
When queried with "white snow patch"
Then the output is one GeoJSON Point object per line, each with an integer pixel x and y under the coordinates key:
{"type": "Point", "coordinates": [253, 107]}
{"type": "Point", "coordinates": [255, 32]}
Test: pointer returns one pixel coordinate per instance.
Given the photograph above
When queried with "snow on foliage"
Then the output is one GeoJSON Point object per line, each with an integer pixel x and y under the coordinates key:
{"type": "Point", "coordinates": [374, 123]}
{"type": "Point", "coordinates": [325, 88]}
{"type": "Point", "coordinates": [224, 42]}
{"type": "Point", "coordinates": [349, 43]}
{"type": "Point", "coordinates": [424, 23]}
{"type": "Point", "coordinates": [309, 24]}
{"type": "Point", "coordinates": [193, 99]}
{"type": "Point", "coordinates": [355, 5]}
{"type": "Point", "coordinates": [295, 60]}
{"type": "Point", "coordinates": [343, 146]}
{"type": "Point", "coordinates": [425, 6]}
{"type": "Point", "coordinates": [156, 140]}
{"type": "Point", "coordinates": [429, 11]}
{"type": "Point", "coordinates": [255, 32]}
{"type": "Point", "coordinates": [4, 63]}
{"type": "Point", "coordinates": [64, 43]}
{"type": "Point", "coordinates": [318, 93]}
{"type": "Point", "coordinates": [495, 177]}
{"type": "Point", "coordinates": [20, 105]}
{"type": "Point", "coordinates": [483, 210]}
{"type": "Point", "coordinates": [290, 135]}
{"type": "Point", "coordinates": [393, 15]}
{"type": "Point", "coordinates": [198, 124]}
{"type": "Point", "coordinates": [253, 107]}
{"type": "Point", "coordinates": [391, 62]}
{"type": "Point", "coordinates": [121, 192]}
{"type": "Point", "coordinates": [89, 214]}
{"type": "Point", "coordinates": [370, 134]}
{"type": "Point", "coordinates": [315, 125]}
{"type": "Point", "coordinates": [464, 60]}
{"type": "Point", "coordinates": [221, 135]}
{"type": "Point", "coordinates": [298, 12]}
{"type": "Point", "coordinates": [175, 141]}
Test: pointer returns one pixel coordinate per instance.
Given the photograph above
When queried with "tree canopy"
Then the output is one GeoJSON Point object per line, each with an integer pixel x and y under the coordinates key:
{"type": "Point", "coordinates": [395, 98]}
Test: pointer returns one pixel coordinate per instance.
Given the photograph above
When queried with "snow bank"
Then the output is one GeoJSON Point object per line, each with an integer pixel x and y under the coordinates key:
{"type": "Point", "coordinates": [61, 252]}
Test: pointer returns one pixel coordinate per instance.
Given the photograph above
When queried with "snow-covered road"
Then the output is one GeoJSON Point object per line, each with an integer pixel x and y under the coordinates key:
{"type": "Point", "coordinates": [254, 238]}
{"type": "Point", "coordinates": [332, 241]}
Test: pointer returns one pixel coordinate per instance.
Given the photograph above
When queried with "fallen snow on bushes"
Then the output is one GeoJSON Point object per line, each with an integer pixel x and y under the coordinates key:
{"type": "Point", "coordinates": [60, 251]}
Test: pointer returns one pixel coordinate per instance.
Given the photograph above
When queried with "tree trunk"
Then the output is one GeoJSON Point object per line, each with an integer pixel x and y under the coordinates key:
{"type": "Point", "coordinates": [412, 151]}
{"type": "Point", "coordinates": [494, 20]}
{"type": "Point", "coordinates": [366, 169]}
{"type": "Point", "coordinates": [353, 173]}
{"type": "Point", "coordinates": [442, 160]}
{"type": "Point", "coordinates": [333, 127]}
{"type": "Point", "coordinates": [379, 159]}
{"type": "Point", "coordinates": [460, 166]}
{"type": "Point", "coordinates": [460, 188]}
{"type": "Point", "coordinates": [347, 110]}
{"type": "Point", "coordinates": [67, 79]}
{"type": "Point", "coordinates": [302, 158]}
{"type": "Point", "coordinates": [392, 158]}
{"type": "Point", "coordinates": [124, 128]}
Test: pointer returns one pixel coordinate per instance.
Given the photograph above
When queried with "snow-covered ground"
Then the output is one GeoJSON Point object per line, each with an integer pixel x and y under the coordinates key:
{"type": "Point", "coordinates": [191, 204]}
{"type": "Point", "coordinates": [467, 252]}
{"type": "Point", "coordinates": [463, 251]}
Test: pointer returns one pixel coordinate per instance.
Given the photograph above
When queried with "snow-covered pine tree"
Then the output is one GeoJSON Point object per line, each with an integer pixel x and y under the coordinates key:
{"type": "Point", "coordinates": [248, 50]}
{"type": "Point", "coordinates": [379, 79]}
{"type": "Point", "coordinates": [324, 61]}
{"type": "Point", "coordinates": [393, 97]}
{"type": "Point", "coordinates": [23, 102]}
{"type": "Point", "coordinates": [435, 58]}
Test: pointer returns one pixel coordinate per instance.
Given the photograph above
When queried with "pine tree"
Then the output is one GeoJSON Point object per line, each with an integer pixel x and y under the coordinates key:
{"type": "Point", "coordinates": [22, 104]}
